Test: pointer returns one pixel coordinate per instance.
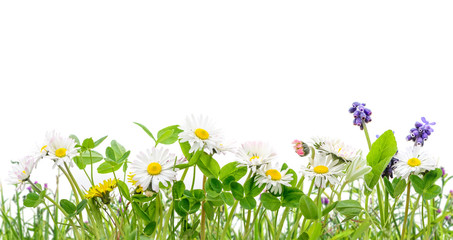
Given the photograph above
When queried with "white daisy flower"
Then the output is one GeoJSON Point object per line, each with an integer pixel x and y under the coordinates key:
{"type": "Point", "coordinates": [43, 149]}
{"type": "Point", "coordinates": [357, 169]}
{"type": "Point", "coordinates": [20, 172]}
{"type": "Point", "coordinates": [61, 150]}
{"type": "Point", "coordinates": [324, 170]}
{"type": "Point", "coordinates": [255, 154]}
{"type": "Point", "coordinates": [201, 134]}
{"type": "Point", "coordinates": [153, 167]}
{"type": "Point", "coordinates": [273, 178]}
{"type": "Point", "coordinates": [337, 148]}
{"type": "Point", "coordinates": [413, 161]}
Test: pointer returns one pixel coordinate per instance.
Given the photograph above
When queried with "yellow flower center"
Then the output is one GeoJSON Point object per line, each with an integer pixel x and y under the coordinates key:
{"type": "Point", "coordinates": [254, 157]}
{"type": "Point", "coordinates": [321, 169]}
{"type": "Point", "coordinates": [154, 168]}
{"type": "Point", "coordinates": [61, 152]}
{"type": "Point", "coordinates": [414, 162]}
{"type": "Point", "coordinates": [201, 133]}
{"type": "Point", "coordinates": [43, 148]}
{"type": "Point", "coordinates": [275, 175]}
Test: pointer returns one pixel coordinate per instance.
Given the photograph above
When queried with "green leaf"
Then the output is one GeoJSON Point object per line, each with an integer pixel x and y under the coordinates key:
{"type": "Point", "coordinates": [99, 141]}
{"type": "Point", "coordinates": [227, 198]}
{"type": "Point", "coordinates": [198, 194]}
{"type": "Point", "coordinates": [124, 190]}
{"type": "Point", "coordinates": [270, 202]}
{"type": "Point", "coordinates": [194, 207]}
{"type": "Point", "coordinates": [106, 167]}
{"type": "Point", "coordinates": [165, 136]}
{"type": "Point", "coordinates": [329, 208]}
{"type": "Point", "coordinates": [109, 153]}
{"type": "Point", "coordinates": [68, 206]}
{"type": "Point", "coordinates": [381, 152]}
{"type": "Point", "coordinates": [349, 208]}
{"type": "Point", "coordinates": [431, 177]}
{"type": "Point", "coordinates": [32, 200]}
{"type": "Point", "coordinates": [146, 130]}
{"type": "Point", "coordinates": [88, 143]}
{"type": "Point", "coordinates": [232, 169]}
{"type": "Point", "coordinates": [179, 210]}
{"type": "Point", "coordinates": [215, 184]}
{"type": "Point", "coordinates": [389, 187]}
{"type": "Point", "coordinates": [361, 229]}
{"type": "Point", "coordinates": [291, 197]}
{"type": "Point", "coordinates": [185, 204]}
{"type": "Point", "coordinates": [141, 198]}
{"type": "Point", "coordinates": [172, 138]}
{"type": "Point", "coordinates": [237, 190]}
{"type": "Point", "coordinates": [75, 138]}
{"type": "Point", "coordinates": [344, 234]}
{"type": "Point", "coordinates": [209, 210]}
{"type": "Point", "coordinates": [208, 165]}
{"type": "Point", "coordinates": [124, 157]}
{"type": "Point", "coordinates": [248, 202]}
{"type": "Point", "coordinates": [432, 192]}
{"type": "Point", "coordinates": [417, 183]}
{"type": "Point", "coordinates": [178, 189]}
{"type": "Point", "coordinates": [149, 229]}
{"type": "Point", "coordinates": [251, 188]}
{"type": "Point", "coordinates": [86, 160]}
{"type": "Point", "coordinates": [308, 208]}
{"type": "Point", "coordinates": [139, 211]}
{"type": "Point", "coordinates": [79, 162]}
{"type": "Point", "coordinates": [227, 181]}
{"type": "Point", "coordinates": [118, 149]}
{"type": "Point", "coordinates": [304, 236]}
{"type": "Point", "coordinates": [185, 148]}
{"type": "Point", "coordinates": [82, 204]}
{"type": "Point", "coordinates": [399, 187]}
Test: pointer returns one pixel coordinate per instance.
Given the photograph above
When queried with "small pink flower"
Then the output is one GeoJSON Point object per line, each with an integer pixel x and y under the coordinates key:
{"type": "Point", "coordinates": [300, 151]}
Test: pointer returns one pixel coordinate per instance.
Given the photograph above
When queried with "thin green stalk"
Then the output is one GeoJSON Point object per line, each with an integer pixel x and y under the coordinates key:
{"type": "Point", "coordinates": [91, 160]}
{"type": "Point", "coordinates": [19, 219]}
{"type": "Point", "coordinates": [246, 233]}
{"type": "Point", "coordinates": [203, 214]}
{"type": "Point", "coordinates": [228, 222]}
{"type": "Point", "coordinates": [408, 196]}
{"type": "Point", "coordinates": [282, 221]}
{"type": "Point", "coordinates": [413, 214]}
{"type": "Point", "coordinates": [193, 179]}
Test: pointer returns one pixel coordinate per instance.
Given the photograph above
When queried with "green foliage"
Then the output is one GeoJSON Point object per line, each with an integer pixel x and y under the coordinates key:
{"type": "Point", "coordinates": [381, 152]}
{"type": "Point", "coordinates": [396, 187]}
{"type": "Point", "coordinates": [349, 208]}
{"type": "Point", "coordinates": [308, 208]}
{"type": "Point", "coordinates": [426, 186]}
{"type": "Point", "coordinates": [270, 201]}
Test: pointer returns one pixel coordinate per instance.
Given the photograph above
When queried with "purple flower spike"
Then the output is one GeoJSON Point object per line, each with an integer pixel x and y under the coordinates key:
{"type": "Point", "coordinates": [419, 134]}
{"type": "Point", "coordinates": [46, 186]}
{"type": "Point", "coordinates": [439, 210]}
{"type": "Point", "coordinates": [29, 188]}
{"type": "Point", "coordinates": [443, 171]}
{"type": "Point", "coordinates": [388, 171]}
{"type": "Point", "coordinates": [360, 113]}
{"type": "Point", "coordinates": [324, 200]}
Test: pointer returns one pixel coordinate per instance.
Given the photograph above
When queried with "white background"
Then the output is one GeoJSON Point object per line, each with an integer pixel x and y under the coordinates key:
{"type": "Point", "coordinates": [263, 70]}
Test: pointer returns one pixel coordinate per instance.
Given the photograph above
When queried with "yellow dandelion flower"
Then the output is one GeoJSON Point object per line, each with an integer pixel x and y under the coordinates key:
{"type": "Point", "coordinates": [102, 190]}
{"type": "Point", "coordinates": [130, 179]}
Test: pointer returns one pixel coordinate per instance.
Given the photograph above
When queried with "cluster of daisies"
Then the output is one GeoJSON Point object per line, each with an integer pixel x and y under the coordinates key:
{"type": "Point", "coordinates": [330, 162]}
{"type": "Point", "coordinates": [56, 148]}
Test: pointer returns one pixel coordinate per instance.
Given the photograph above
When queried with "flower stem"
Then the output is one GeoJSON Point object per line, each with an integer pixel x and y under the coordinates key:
{"type": "Point", "coordinates": [230, 217]}
{"type": "Point", "coordinates": [203, 215]}
{"type": "Point", "coordinates": [407, 209]}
